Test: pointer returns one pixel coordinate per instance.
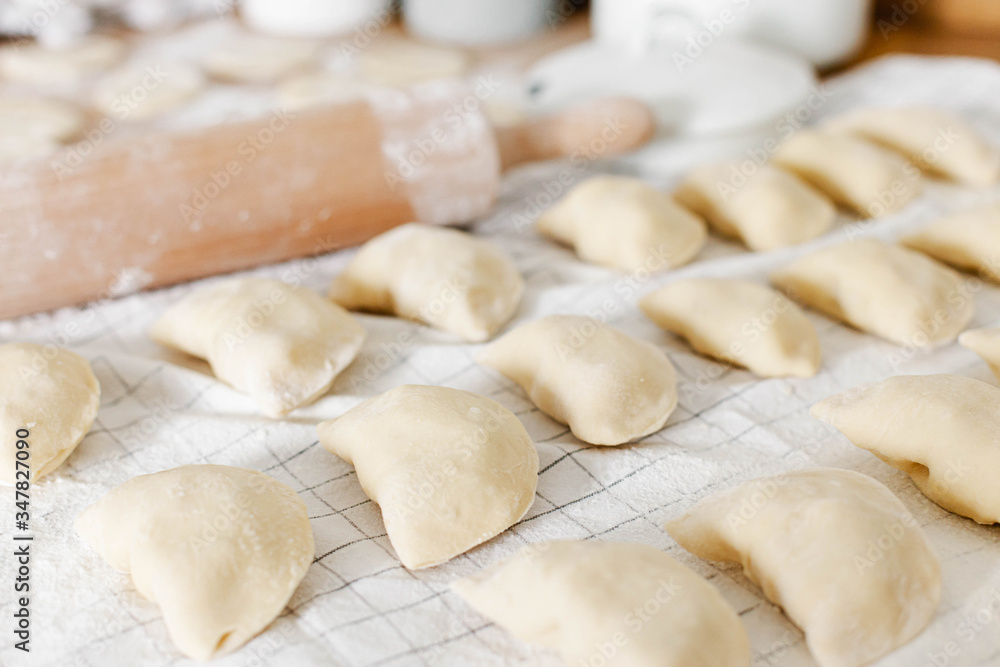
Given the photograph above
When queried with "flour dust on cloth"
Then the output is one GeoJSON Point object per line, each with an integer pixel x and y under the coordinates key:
{"type": "Point", "coordinates": [356, 604]}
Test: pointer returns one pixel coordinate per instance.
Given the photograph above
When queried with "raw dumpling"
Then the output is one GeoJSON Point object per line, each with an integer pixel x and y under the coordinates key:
{"type": "Point", "coordinates": [771, 209]}
{"type": "Point", "coordinates": [856, 174]}
{"type": "Point", "coordinates": [941, 430]}
{"type": "Point", "coordinates": [402, 62]}
{"type": "Point", "coordinates": [834, 548]}
{"type": "Point", "coordinates": [40, 117]}
{"type": "Point", "coordinates": [985, 343]}
{"type": "Point", "coordinates": [628, 605]}
{"type": "Point", "coordinates": [35, 64]}
{"type": "Point", "coordinates": [624, 224]}
{"type": "Point", "coordinates": [143, 90]}
{"type": "Point", "coordinates": [938, 142]}
{"type": "Point", "coordinates": [608, 387]}
{"type": "Point", "coordinates": [449, 469]}
{"type": "Point", "coordinates": [250, 58]}
{"type": "Point", "coordinates": [442, 277]}
{"type": "Point", "coordinates": [219, 549]}
{"type": "Point", "coordinates": [317, 89]}
{"type": "Point", "coordinates": [882, 289]}
{"type": "Point", "coordinates": [280, 344]}
{"type": "Point", "coordinates": [738, 322]}
{"type": "Point", "coordinates": [49, 399]}
{"type": "Point", "coordinates": [969, 240]}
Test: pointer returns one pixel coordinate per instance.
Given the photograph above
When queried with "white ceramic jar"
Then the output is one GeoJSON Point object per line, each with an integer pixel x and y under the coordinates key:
{"type": "Point", "coordinates": [479, 22]}
{"type": "Point", "coordinates": [825, 32]}
{"type": "Point", "coordinates": [312, 18]}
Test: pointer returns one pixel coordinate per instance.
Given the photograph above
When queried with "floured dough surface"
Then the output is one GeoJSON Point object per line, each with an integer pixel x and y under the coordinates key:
{"type": "Point", "coordinates": [941, 430]}
{"type": "Point", "coordinates": [54, 395]}
{"type": "Point", "coordinates": [281, 344]}
{"type": "Point", "coordinates": [886, 290]}
{"type": "Point", "coordinates": [442, 277]}
{"type": "Point", "coordinates": [968, 240]}
{"type": "Point", "coordinates": [449, 469]}
{"type": "Point", "coordinates": [939, 142]}
{"type": "Point", "coordinates": [739, 322]}
{"type": "Point", "coordinates": [985, 343]}
{"type": "Point", "coordinates": [579, 596]}
{"type": "Point", "coordinates": [318, 89]}
{"type": "Point", "coordinates": [142, 90]}
{"type": "Point", "coordinates": [768, 209]}
{"type": "Point", "coordinates": [856, 174]}
{"type": "Point", "coordinates": [806, 538]}
{"type": "Point", "coordinates": [624, 224]}
{"type": "Point", "coordinates": [608, 387]}
{"type": "Point", "coordinates": [215, 588]}
{"type": "Point", "coordinates": [249, 58]}
{"type": "Point", "coordinates": [398, 62]}
{"type": "Point", "coordinates": [39, 117]}
{"type": "Point", "coordinates": [33, 63]}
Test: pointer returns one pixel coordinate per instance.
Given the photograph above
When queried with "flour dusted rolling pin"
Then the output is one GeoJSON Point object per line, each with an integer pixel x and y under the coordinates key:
{"type": "Point", "coordinates": [172, 207]}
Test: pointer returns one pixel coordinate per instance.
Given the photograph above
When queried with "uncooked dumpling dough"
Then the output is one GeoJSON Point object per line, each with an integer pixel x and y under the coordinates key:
{"type": "Point", "coordinates": [219, 549]}
{"type": "Point", "coordinates": [834, 548]}
{"type": "Point", "coordinates": [53, 394]}
{"type": "Point", "coordinates": [771, 209]}
{"type": "Point", "coordinates": [318, 89]}
{"type": "Point", "coordinates": [441, 277]}
{"type": "Point", "coordinates": [608, 387]}
{"type": "Point", "coordinates": [578, 597]}
{"type": "Point", "coordinates": [985, 343]}
{"type": "Point", "coordinates": [858, 175]}
{"type": "Point", "coordinates": [449, 469]}
{"type": "Point", "coordinates": [882, 289]}
{"type": "Point", "coordinates": [740, 323]}
{"type": "Point", "coordinates": [280, 344]}
{"type": "Point", "coordinates": [969, 240]}
{"type": "Point", "coordinates": [40, 117]}
{"type": "Point", "coordinates": [35, 64]}
{"type": "Point", "coordinates": [941, 430]}
{"type": "Point", "coordinates": [146, 89]}
{"type": "Point", "coordinates": [249, 58]}
{"type": "Point", "coordinates": [938, 142]}
{"type": "Point", "coordinates": [624, 224]}
{"type": "Point", "coordinates": [402, 62]}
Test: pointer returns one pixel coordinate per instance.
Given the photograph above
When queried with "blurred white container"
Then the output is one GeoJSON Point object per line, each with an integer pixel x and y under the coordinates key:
{"type": "Point", "coordinates": [478, 22]}
{"type": "Point", "coordinates": [312, 18]}
{"type": "Point", "coordinates": [824, 32]}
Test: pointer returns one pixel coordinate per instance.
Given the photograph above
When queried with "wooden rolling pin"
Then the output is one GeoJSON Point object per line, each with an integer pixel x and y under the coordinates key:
{"type": "Point", "coordinates": [167, 208]}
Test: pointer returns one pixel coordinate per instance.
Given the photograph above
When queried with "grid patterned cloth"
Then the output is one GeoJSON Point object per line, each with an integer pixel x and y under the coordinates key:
{"type": "Point", "coordinates": [357, 605]}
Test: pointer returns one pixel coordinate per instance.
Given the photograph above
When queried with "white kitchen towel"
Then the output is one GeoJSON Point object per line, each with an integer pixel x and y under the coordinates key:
{"type": "Point", "coordinates": [357, 606]}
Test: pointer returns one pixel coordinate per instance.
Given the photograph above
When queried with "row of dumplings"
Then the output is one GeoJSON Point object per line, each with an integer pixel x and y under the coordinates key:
{"type": "Point", "coordinates": [145, 86]}
{"type": "Point", "coordinates": [264, 338]}
{"type": "Point", "coordinates": [870, 162]}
